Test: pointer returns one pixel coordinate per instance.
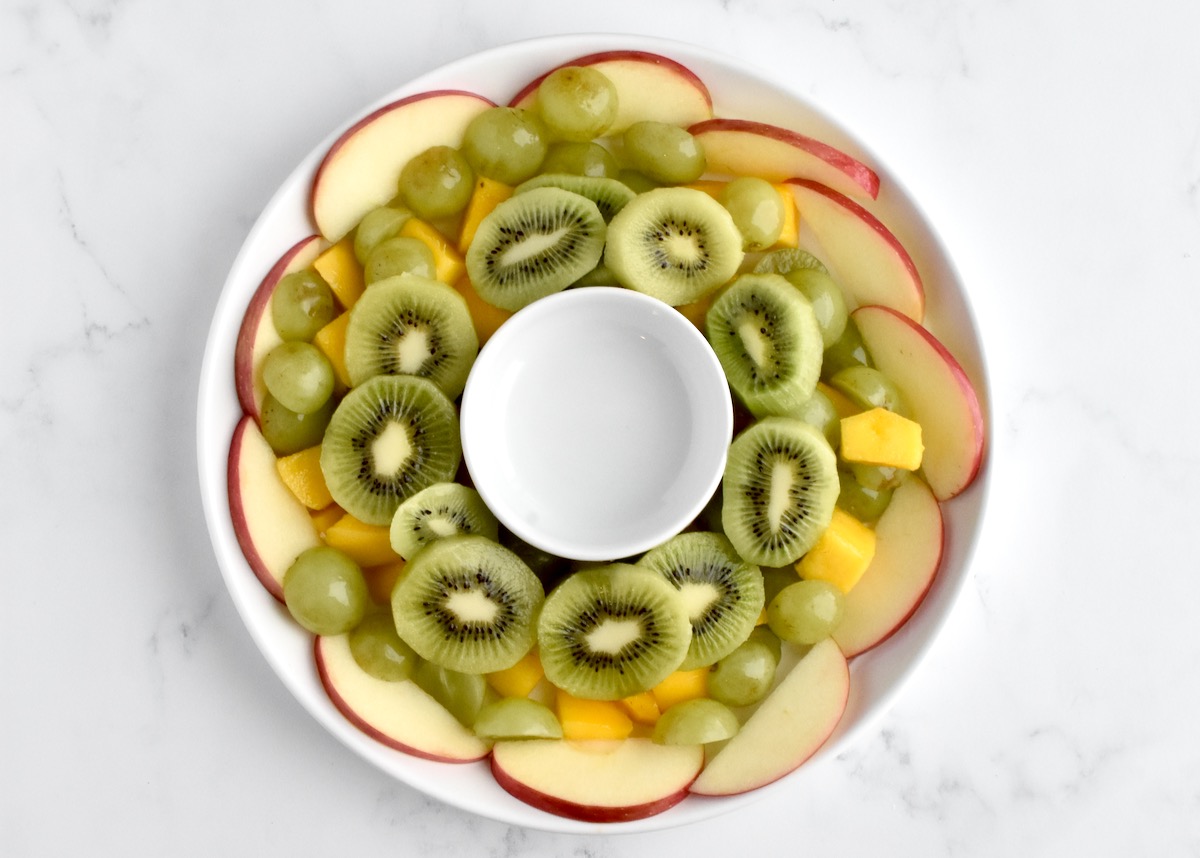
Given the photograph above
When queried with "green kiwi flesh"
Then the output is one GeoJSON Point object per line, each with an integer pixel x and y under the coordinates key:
{"type": "Point", "coordinates": [723, 593]}
{"type": "Point", "coordinates": [609, 195]}
{"type": "Point", "coordinates": [389, 438]}
{"type": "Point", "coordinates": [467, 604]}
{"type": "Point", "coordinates": [768, 341]}
{"type": "Point", "coordinates": [779, 488]}
{"type": "Point", "coordinates": [439, 511]}
{"type": "Point", "coordinates": [788, 259]}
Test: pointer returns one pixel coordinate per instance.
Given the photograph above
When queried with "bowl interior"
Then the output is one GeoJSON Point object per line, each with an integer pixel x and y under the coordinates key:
{"type": "Point", "coordinates": [738, 91]}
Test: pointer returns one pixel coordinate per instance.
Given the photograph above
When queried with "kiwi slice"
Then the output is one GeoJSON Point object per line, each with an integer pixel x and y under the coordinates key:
{"type": "Point", "coordinates": [533, 245]}
{"type": "Point", "coordinates": [411, 325]}
{"type": "Point", "coordinates": [788, 259]}
{"type": "Point", "coordinates": [780, 487]}
{"type": "Point", "coordinates": [766, 336]}
{"type": "Point", "coordinates": [675, 244]}
{"type": "Point", "coordinates": [467, 604]}
{"type": "Point", "coordinates": [439, 511]}
{"type": "Point", "coordinates": [389, 438]}
{"type": "Point", "coordinates": [722, 592]}
{"type": "Point", "coordinates": [609, 195]}
{"type": "Point", "coordinates": [611, 631]}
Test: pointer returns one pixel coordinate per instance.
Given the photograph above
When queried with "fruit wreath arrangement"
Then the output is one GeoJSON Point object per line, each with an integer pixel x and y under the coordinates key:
{"type": "Point", "coordinates": [718, 661]}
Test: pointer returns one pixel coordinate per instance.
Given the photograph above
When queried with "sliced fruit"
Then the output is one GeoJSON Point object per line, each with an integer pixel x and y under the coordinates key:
{"type": "Point", "coordinates": [520, 679]}
{"type": "Point", "coordinates": [340, 268]}
{"type": "Point", "coordinates": [448, 265]}
{"type": "Point", "coordinates": [487, 195]}
{"type": "Point", "coordinates": [367, 544]}
{"type": "Point", "coordinates": [331, 340]}
{"type": "Point", "coordinates": [585, 720]}
{"type": "Point", "coordinates": [882, 437]}
{"type": "Point", "coordinates": [680, 686]}
{"type": "Point", "coordinates": [301, 472]}
{"type": "Point", "coordinates": [842, 554]}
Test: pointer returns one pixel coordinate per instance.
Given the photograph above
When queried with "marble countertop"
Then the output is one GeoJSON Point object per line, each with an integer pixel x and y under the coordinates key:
{"type": "Point", "coordinates": [1057, 145]}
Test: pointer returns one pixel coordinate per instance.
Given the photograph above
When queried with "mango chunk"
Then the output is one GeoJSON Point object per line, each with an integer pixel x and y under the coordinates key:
{"type": "Point", "coordinates": [680, 686]}
{"type": "Point", "coordinates": [789, 236]}
{"type": "Point", "coordinates": [842, 404]}
{"type": "Point", "coordinates": [339, 267]}
{"type": "Point", "coordinates": [448, 262]}
{"type": "Point", "coordinates": [301, 472]}
{"type": "Point", "coordinates": [842, 554]}
{"type": "Point", "coordinates": [642, 708]}
{"type": "Point", "coordinates": [882, 437]}
{"type": "Point", "coordinates": [323, 519]}
{"type": "Point", "coordinates": [331, 340]}
{"type": "Point", "coordinates": [487, 195]}
{"type": "Point", "coordinates": [520, 679]}
{"type": "Point", "coordinates": [381, 580]}
{"type": "Point", "coordinates": [591, 719]}
{"type": "Point", "coordinates": [487, 318]}
{"type": "Point", "coordinates": [366, 544]}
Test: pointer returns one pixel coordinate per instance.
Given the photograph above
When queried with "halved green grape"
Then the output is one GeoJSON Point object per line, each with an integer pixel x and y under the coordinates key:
{"type": "Point", "coordinates": [375, 226]}
{"type": "Point", "coordinates": [806, 612]}
{"type": "Point", "coordinates": [580, 159]}
{"type": "Point", "coordinates": [399, 255]}
{"type": "Point", "coordinates": [744, 677]}
{"type": "Point", "coordinates": [869, 388]}
{"type": "Point", "coordinates": [437, 183]}
{"type": "Point", "coordinates": [756, 208]}
{"type": "Point", "coordinates": [289, 431]}
{"type": "Point", "coordinates": [637, 182]}
{"type": "Point", "coordinates": [863, 502]}
{"type": "Point", "coordinates": [818, 411]}
{"type": "Point", "coordinates": [299, 376]}
{"type": "Point", "coordinates": [463, 694]}
{"type": "Point", "coordinates": [517, 718]}
{"type": "Point", "coordinates": [301, 305]}
{"type": "Point", "coordinates": [505, 143]}
{"type": "Point", "coordinates": [775, 578]}
{"type": "Point", "coordinates": [325, 592]}
{"type": "Point", "coordinates": [849, 350]}
{"type": "Point", "coordinates": [577, 102]}
{"type": "Point", "coordinates": [763, 635]}
{"type": "Point", "coordinates": [696, 722]}
{"type": "Point", "coordinates": [829, 305]}
{"type": "Point", "coordinates": [663, 152]}
{"type": "Point", "coordinates": [378, 649]}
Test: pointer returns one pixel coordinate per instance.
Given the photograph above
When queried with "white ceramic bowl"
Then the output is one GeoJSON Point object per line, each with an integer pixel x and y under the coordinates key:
{"type": "Point", "coordinates": [737, 90]}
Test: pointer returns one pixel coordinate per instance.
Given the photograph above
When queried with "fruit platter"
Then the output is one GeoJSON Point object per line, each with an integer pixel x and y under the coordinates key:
{"type": "Point", "coordinates": [456, 652]}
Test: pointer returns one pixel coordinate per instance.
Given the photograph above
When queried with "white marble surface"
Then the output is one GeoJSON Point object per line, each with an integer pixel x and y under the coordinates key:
{"type": "Point", "coordinates": [1057, 145]}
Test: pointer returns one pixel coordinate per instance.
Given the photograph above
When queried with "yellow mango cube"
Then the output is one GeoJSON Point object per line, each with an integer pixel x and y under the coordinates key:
{"type": "Point", "coordinates": [487, 195]}
{"type": "Point", "coordinates": [591, 719]}
{"type": "Point", "coordinates": [680, 686]}
{"type": "Point", "coordinates": [301, 472]}
{"type": "Point", "coordinates": [339, 267]}
{"type": "Point", "coordinates": [366, 544]}
{"type": "Point", "coordinates": [487, 317]}
{"type": "Point", "coordinates": [882, 437]}
{"type": "Point", "coordinates": [520, 679]}
{"type": "Point", "coordinates": [842, 554]}
{"type": "Point", "coordinates": [381, 580]}
{"type": "Point", "coordinates": [331, 340]}
{"type": "Point", "coordinates": [448, 262]}
{"type": "Point", "coordinates": [789, 236]}
{"type": "Point", "coordinates": [642, 708]}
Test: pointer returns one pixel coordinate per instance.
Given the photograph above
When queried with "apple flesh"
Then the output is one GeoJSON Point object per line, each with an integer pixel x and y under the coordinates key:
{"type": "Point", "coordinates": [649, 87]}
{"type": "Point", "coordinates": [868, 261]}
{"type": "Point", "coordinates": [740, 147]}
{"type": "Point", "coordinates": [597, 781]}
{"type": "Point", "coordinates": [909, 539]}
{"type": "Point", "coordinates": [937, 391]}
{"type": "Point", "coordinates": [271, 525]}
{"type": "Point", "coordinates": [257, 335]}
{"type": "Point", "coordinates": [786, 729]}
{"type": "Point", "coordinates": [398, 714]}
{"type": "Point", "coordinates": [362, 167]}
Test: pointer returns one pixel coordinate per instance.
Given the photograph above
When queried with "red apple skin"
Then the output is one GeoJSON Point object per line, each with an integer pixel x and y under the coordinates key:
{"type": "Point", "coordinates": [257, 321]}
{"type": "Point", "coordinates": [855, 171]}
{"type": "Point", "coordinates": [583, 813]}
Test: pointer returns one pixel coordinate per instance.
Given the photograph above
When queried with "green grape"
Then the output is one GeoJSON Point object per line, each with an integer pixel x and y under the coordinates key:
{"type": "Point", "coordinates": [399, 255]}
{"type": "Point", "coordinates": [818, 411]}
{"type": "Point", "coordinates": [663, 152]}
{"type": "Point", "coordinates": [325, 592]}
{"type": "Point", "coordinates": [463, 694]}
{"type": "Point", "coordinates": [577, 103]}
{"type": "Point", "coordinates": [806, 612]}
{"type": "Point", "coordinates": [849, 350]}
{"type": "Point", "coordinates": [863, 502]}
{"type": "Point", "coordinates": [827, 301]}
{"type": "Point", "coordinates": [775, 578]}
{"type": "Point", "coordinates": [505, 143]}
{"type": "Point", "coordinates": [379, 650]}
{"type": "Point", "coordinates": [301, 305]}
{"type": "Point", "coordinates": [756, 209]}
{"type": "Point", "coordinates": [517, 718]}
{"type": "Point", "coordinates": [637, 182]}
{"type": "Point", "coordinates": [763, 635]}
{"type": "Point", "coordinates": [375, 226]}
{"type": "Point", "coordinates": [580, 159]}
{"type": "Point", "coordinates": [868, 388]}
{"type": "Point", "coordinates": [696, 722]}
{"type": "Point", "coordinates": [290, 432]}
{"type": "Point", "coordinates": [299, 376]}
{"type": "Point", "coordinates": [437, 183]}
{"type": "Point", "coordinates": [876, 477]}
{"type": "Point", "coordinates": [745, 675]}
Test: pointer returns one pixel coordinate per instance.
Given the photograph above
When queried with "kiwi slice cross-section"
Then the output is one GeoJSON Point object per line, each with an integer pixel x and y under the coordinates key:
{"type": "Point", "coordinates": [439, 511]}
{"type": "Point", "coordinates": [609, 195]}
{"type": "Point", "coordinates": [389, 438]}
{"type": "Point", "coordinates": [766, 336]}
{"type": "Point", "coordinates": [411, 325]}
{"type": "Point", "coordinates": [780, 487]}
{"type": "Point", "coordinates": [675, 244]}
{"type": "Point", "coordinates": [467, 604]}
{"type": "Point", "coordinates": [723, 593]}
{"type": "Point", "coordinates": [612, 631]}
{"type": "Point", "coordinates": [535, 244]}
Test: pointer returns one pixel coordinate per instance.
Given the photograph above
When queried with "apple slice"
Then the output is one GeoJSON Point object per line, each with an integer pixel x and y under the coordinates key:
{"type": "Point", "coordinates": [649, 86]}
{"type": "Point", "coordinates": [257, 335]}
{"type": "Point", "coordinates": [937, 390]}
{"type": "Point", "coordinates": [741, 147]}
{"type": "Point", "coordinates": [362, 167]}
{"type": "Point", "coordinates": [271, 525]}
{"type": "Point", "coordinates": [597, 781]}
{"type": "Point", "coordinates": [398, 714]}
{"type": "Point", "coordinates": [786, 729]}
{"type": "Point", "coordinates": [909, 538]}
{"type": "Point", "coordinates": [868, 261]}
